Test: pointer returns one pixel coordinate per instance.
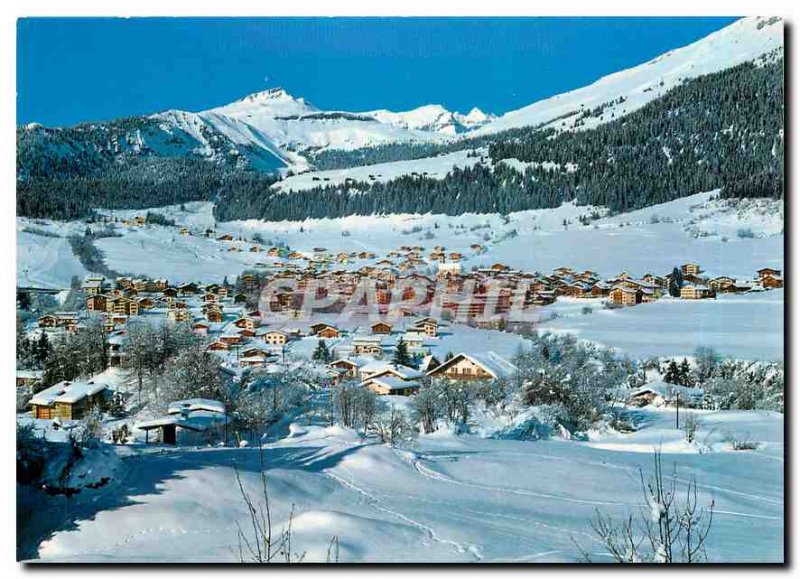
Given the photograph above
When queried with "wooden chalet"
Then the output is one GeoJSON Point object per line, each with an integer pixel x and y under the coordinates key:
{"type": "Point", "coordinates": [323, 330]}
{"type": "Point", "coordinates": [381, 328]}
{"type": "Point", "coordinates": [625, 296]}
{"type": "Point", "coordinates": [69, 400]}
{"type": "Point", "coordinates": [483, 366]}
{"type": "Point", "coordinates": [690, 291]}
{"type": "Point", "coordinates": [65, 320]}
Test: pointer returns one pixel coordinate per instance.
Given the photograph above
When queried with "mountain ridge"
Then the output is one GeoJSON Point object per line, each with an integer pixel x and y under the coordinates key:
{"type": "Point", "coordinates": [272, 130]}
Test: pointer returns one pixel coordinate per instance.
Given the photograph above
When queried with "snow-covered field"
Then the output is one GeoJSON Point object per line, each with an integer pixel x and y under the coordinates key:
{"type": "Point", "coordinates": [451, 498]}
{"type": "Point", "coordinates": [432, 167]}
{"type": "Point", "coordinates": [748, 326]}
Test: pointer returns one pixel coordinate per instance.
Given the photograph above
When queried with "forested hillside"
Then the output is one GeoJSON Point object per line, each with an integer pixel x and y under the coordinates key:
{"type": "Point", "coordinates": [723, 130]}
{"type": "Point", "coordinates": [64, 173]}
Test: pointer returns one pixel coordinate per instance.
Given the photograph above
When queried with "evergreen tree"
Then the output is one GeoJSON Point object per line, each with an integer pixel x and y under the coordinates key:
{"type": "Point", "coordinates": [322, 354]}
{"type": "Point", "coordinates": [401, 355]}
{"type": "Point", "coordinates": [675, 282]}
{"type": "Point", "coordinates": [41, 350]}
{"type": "Point", "coordinates": [685, 373]}
{"type": "Point", "coordinates": [673, 374]}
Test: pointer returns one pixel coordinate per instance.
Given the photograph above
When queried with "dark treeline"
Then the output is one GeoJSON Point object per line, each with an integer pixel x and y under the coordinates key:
{"type": "Point", "coordinates": [149, 182]}
{"type": "Point", "coordinates": [722, 130]}
{"type": "Point", "coordinates": [244, 195]}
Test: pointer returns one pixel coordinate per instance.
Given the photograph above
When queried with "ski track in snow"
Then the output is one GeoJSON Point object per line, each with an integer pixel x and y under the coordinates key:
{"type": "Point", "coordinates": [375, 502]}
{"type": "Point", "coordinates": [433, 474]}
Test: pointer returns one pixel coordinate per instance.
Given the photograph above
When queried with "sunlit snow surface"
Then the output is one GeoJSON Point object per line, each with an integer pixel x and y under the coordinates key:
{"type": "Point", "coordinates": [451, 498]}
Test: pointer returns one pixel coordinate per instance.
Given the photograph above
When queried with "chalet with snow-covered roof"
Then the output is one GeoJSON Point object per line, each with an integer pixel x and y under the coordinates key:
{"type": "Point", "coordinates": [625, 296]}
{"type": "Point", "coordinates": [201, 328]}
{"type": "Point", "coordinates": [691, 269]}
{"type": "Point", "coordinates": [772, 281]}
{"type": "Point", "coordinates": [661, 393]}
{"type": "Point", "coordinates": [429, 326]}
{"type": "Point", "coordinates": [691, 291]}
{"type": "Point", "coordinates": [188, 289]}
{"type": "Point", "coordinates": [245, 323]}
{"type": "Point", "coordinates": [69, 400]}
{"type": "Point", "coordinates": [765, 271]}
{"type": "Point", "coordinates": [723, 284]}
{"type": "Point", "coordinates": [96, 302]}
{"type": "Point", "coordinates": [178, 315]}
{"type": "Point", "coordinates": [64, 320]}
{"type": "Point", "coordinates": [369, 345]}
{"type": "Point", "coordinates": [414, 339]}
{"type": "Point", "coordinates": [483, 366]}
{"type": "Point", "coordinates": [29, 378]}
{"type": "Point", "coordinates": [275, 337]}
{"type": "Point", "coordinates": [197, 419]}
{"type": "Point", "coordinates": [389, 385]}
{"type": "Point", "coordinates": [93, 285]}
{"type": "Point", "coordinates": [146, 303]}
{"type": "Point", "coordinates": [214, 315]}
{"type": "Point", "coordinates": [345, 367]}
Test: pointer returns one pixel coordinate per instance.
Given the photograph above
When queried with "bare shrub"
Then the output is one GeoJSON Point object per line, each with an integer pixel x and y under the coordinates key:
{"type": "Point", "coordinates": [668, 530]}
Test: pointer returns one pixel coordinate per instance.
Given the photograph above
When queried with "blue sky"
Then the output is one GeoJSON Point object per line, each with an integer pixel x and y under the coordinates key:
{"type": "Point", "coordinates": [71, 70]}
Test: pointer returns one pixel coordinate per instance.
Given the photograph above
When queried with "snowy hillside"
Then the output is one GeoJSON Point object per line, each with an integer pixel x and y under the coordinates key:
{"type": "Point", "coordinates": [628, 90]}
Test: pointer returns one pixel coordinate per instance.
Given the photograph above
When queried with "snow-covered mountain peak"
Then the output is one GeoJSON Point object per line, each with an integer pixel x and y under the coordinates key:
{"type": "Point", "coordinates": [270, 96]}
{"type": "Point", "coordinates": [274, 102]}
{"type": "Point", "coordinates": [477, 117]}
{"type": "Point", "coordinates": [433, 118]}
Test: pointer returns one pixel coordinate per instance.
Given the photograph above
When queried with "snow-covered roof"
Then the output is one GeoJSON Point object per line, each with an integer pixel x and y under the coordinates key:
{"type": "Point", "coordinates": [195, 404]}
{"type": "Point", "coordinates": [30, 374]}
{"type": "Point", "coordinates": [156, 423]}
{"type": "Point", "coordinates": [494, 363]}
{"type": "Point", "coordinates": [402, 372]}
{"type": "Point", "coordinates": [198, 421]}
{"type": "Point", "coordinates": [426, 363]}
{"type": "Point", "coordinates": [490, 361]}
{"type": "Point", "coordinates": [393, 382]}
{"type": "Point", "coordinates": [67, 392]}
{"type": "Point", "coordinates": [373, 367]}
{"type": "Point", "coordinates": [669, 391]}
